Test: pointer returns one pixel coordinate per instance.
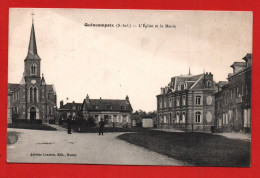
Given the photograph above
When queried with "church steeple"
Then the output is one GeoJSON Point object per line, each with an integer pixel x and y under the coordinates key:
{"type": "Point", "coordinates": [32, 62]}
{"type": "Point", "coordinates": [32, 49]}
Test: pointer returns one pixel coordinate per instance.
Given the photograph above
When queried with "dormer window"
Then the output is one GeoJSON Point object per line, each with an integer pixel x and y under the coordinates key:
{"type": "Point", "coordinates": [96, 107]}
{"type": "Point", "coordinates": [109, 107]}
{"type": "Point", "coordinates": [179, 87]}
{"type": "Point", "coordinates": [33, 69]}
{"type": "Point", "coordinates": [208, 83]}
{"type": "Point", "coordinates": [123, 107]}
{"type": "Point", "coordinates": [185, 86]}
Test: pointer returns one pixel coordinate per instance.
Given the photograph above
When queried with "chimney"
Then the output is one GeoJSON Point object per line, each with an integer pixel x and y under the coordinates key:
{"type": "Point", "coordinates": [87, 98]}
{"type": "Point", "coordinates": [127, 99]}
{"type": "Point", "coordinates": [100, 98]}
{"type": "Point", "coordinates": [61, 104]}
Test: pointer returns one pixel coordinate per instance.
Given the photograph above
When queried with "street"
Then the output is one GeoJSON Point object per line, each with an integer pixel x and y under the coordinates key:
{"type": "Point", "coordinates": [36, 146]}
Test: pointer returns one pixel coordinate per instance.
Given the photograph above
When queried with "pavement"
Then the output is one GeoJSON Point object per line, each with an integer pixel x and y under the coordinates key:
{"type": "Point", "coordinates": [37, 146]}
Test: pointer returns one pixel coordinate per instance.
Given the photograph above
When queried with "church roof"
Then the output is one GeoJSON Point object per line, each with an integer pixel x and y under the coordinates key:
{"type": "Point", "coordinates": [108, 105]}
{"type": "Point", "coordinates": [32, 49]}
{"type": "Point", "coordinates": [13, 86]}
{"type": "Point", "coordinates": [50, 88]}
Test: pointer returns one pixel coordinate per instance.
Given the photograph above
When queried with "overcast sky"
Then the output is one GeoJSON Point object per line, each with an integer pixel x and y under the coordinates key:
{"type": "Point", "coordinates": [114, 62]}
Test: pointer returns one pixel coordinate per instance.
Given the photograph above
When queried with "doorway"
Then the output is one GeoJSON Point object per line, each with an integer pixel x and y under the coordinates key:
{"type": "Point", "coordinates": [32, 113]}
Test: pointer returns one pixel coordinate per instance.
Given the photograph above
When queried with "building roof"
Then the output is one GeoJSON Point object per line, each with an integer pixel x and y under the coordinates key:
{"type": "Point", "coordinates": [182, 79]}
{"type": "Point", "coordinates": [108, 105]}
{"type": "Point", "coordinates": [32, 49]}
{"type": "Point", "coordinates": [50, 88]}
{"type": "Point", "coordinates": [69, 106]}
{"type": "Point", "coordinates": [248, 56]}
{"type": "Point", "coordinates": [13, 86]}
{"type": "Point", "coordinates": [239, 64]}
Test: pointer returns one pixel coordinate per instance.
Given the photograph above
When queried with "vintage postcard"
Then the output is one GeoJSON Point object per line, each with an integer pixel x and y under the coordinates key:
{"type": "Point", "coordinates": [129, 87]}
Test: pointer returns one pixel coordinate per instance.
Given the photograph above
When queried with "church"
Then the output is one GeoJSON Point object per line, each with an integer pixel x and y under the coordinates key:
{"type": "Point", "coordinates": [32, 100]}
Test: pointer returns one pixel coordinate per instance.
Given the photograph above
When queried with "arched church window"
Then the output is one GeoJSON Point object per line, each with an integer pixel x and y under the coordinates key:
{"type": "Point", "coordinates": [33, 69]}
{"type": "Point", "coordinates": [35, 94]}
{"type": "Point", "coordinates": [31, 95]}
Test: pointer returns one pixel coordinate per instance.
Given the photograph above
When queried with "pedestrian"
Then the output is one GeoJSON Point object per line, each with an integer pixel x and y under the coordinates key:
{"type": "Point", "coordinates": [101, 126]}
{"type": "Point", "coordinates": [69, 124]}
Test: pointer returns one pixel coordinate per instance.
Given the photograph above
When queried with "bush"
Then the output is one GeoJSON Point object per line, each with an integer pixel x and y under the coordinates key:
{"type": "Point", "coordinates": [51, 121]}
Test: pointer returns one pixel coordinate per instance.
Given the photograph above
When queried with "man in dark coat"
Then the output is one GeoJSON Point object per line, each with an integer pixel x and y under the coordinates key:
{"type": "Point", "coordinates": [101, 126]}
{"type": "Point", "coordinates": [69, 124]}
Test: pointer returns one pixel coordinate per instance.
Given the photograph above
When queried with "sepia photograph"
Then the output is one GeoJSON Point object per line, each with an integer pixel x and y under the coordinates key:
{"type": "Point", "coordinates": [129, 87]}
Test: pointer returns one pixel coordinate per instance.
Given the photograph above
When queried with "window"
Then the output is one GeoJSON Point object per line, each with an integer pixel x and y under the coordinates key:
{"type": "Point", "coordinates": [115, 118]}
{"type": "Point", "coordinates": [178, 101]}
{"type": "Point", "coordinates": [50, 110]}
{"type": "Point", "coordinates": [208, 83]}
{"type": "Point", "coordinates": [160, 104]}
{"type": "Point", "coordinates": [237, 92]}
{"type": "Point", "coordinates": [177, 118]}
{"type": "Point", "coordinates": [242, 90]}
{"type": "Point", "coordinates": [231, 93]}
{"type": "Point", "coordinates": [33, 95]}
{"type": "Point", "coordinates": [109, 107]}
{"type": "Point", "coordinates": [123, 107]}
{"type": "Point", "coordinates": [198, 100]}
{"type": "Point", "coordinates": [185, 85]}
{"type": "Point", "coordinates": [33, 69]}
{"type": "Point", "coordinates": [96, 107]}
{"type": "Point", "coordinates": [183, 117]}
{"type": "Point", "coordinates": [179, 86]}
{"type": "Point", "coordinates": [197, 117]}
{"type": "Point", "coordinates": [246, 88]}
{"type": "Point", "coordinates": [124, 118]}
{"type": "Point", "coordinates": [170, 102]}
{"type": "Point", "coordinates": [183, 100]}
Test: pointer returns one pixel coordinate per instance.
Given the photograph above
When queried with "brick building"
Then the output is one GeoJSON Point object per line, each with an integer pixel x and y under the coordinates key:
{"type": "Point", "coordinates": [187, 102]}
{"type": "Point", "coordinates": [114, 112]}
{"type": "Point", "coordinates": [233, 99]}
{"type": "Point", "coordinates": [32, 99]}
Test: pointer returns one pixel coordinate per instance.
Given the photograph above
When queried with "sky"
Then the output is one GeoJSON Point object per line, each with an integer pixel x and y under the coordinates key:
{"type": "Point", "coordinates": [114, 62]}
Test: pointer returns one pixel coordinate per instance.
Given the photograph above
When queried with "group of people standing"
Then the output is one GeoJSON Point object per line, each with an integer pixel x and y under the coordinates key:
{"type": "Point", "coordinates": [101, 126]}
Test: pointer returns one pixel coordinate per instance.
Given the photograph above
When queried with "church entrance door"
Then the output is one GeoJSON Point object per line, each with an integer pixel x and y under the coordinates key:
{"type": "Point", "coordinates": [33, 113]}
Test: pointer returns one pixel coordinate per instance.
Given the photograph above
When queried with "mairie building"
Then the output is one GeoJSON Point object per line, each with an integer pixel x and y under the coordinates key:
{"type": "Point", "coordinates": [187, 102]}
{"type": "Point", "coordinates": [31, 100]}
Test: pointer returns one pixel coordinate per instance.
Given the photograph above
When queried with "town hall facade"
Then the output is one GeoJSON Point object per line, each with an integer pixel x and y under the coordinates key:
{"type": "Point", "coordinates": [32, 100]}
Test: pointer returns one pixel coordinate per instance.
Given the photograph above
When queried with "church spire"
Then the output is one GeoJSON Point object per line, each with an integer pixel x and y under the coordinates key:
{"type": "Point", "coordinates": [32, 49]}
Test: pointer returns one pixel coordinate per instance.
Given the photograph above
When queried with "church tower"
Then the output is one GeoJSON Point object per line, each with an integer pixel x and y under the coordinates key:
{"type": "Point", "coordinates": [32, 100]}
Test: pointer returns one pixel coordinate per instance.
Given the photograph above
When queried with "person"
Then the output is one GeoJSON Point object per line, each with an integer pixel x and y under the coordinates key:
{"type": "Point", "coordinates": [101, 126]}
{"type": "Point", "coordinates": [69, 124]}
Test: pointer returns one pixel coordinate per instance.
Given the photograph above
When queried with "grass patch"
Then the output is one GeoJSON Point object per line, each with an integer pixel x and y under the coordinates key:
{"type": "Point", "coordinates": [12, 138]}
{"type": "Point", "coordinates": [199, 149]}
{"type": "Point", "coordinates": [30, 126]}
